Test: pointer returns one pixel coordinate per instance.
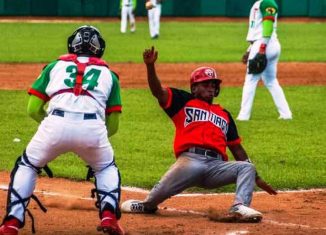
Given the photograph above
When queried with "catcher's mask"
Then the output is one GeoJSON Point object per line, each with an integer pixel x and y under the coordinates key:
{"type": "Point", "coordinates": [203, 74]}
{"type": "Point", "coordinates": [86, 40]}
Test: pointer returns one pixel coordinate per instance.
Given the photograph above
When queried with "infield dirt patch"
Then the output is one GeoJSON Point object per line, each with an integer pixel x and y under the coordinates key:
{"type": "Point", "coordinates": [21, 76]}
{"type": "Point", "coordinates": [72, 211]}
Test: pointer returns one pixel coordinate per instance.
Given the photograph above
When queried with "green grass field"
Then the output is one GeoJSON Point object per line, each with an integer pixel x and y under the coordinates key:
{"type": "Point", "coordinates": [288, 154]}
{"type": "Point", "coordinates": [179, 41]}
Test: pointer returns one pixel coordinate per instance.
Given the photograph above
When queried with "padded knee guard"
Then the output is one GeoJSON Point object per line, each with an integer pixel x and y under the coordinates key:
{"type": "Point", "coordinates": [24, 201]}
{"type": "Point", "coordinates": [101, 195]}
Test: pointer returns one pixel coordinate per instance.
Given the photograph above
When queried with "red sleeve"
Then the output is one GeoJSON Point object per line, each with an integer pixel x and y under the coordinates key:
{"type": "Point", "coordinates": [168, 103]}
{"type": "Point", "coordinates": [272, 18]}
{"type": "Point", "coordinates": [234, 142]}
{"type": "Point", "coordinates": [112, 109]}
{"type": "Point", "coordinates": [40, 95]}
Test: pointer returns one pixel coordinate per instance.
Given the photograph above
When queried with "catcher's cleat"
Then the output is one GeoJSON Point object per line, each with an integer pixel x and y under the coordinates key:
{"type": "Point", "coordinates": [136, 206]}
{"type": "Point", "coordinates": [241, 213]}
{"type": "Point", "coordinates": [10, 227]}
{"type": "Point", "coordinates": [109, 224]}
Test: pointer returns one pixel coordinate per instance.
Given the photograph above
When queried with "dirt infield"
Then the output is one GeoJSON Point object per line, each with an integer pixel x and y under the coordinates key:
{"type": "Point", "coordinates": [21, 76]}
{"type": "Point", "coordinates": [72, 211]}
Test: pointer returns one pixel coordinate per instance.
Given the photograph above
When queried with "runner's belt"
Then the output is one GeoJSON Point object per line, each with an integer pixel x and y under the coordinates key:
{"type": "Point", "coordinates": [205, 152]}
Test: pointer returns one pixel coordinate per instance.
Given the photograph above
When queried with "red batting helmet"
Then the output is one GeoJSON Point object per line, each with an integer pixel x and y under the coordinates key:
{"type": "Point", "coordinates": [202, 74]}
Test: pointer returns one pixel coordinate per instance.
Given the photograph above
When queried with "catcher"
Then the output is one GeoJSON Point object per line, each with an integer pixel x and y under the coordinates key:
{"type": "Point", "coordinates": [261, 58]}
{"type": "Point", "coordinates": [84, 104]}
{"type": "Point", "coordinates": [203, 131]}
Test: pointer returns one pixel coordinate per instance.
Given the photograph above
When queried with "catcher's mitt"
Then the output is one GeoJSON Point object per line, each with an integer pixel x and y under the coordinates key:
{"type": "Point", "coordinates": [257, 64]}
{"type": "Point", "coordinates": [149, 5]}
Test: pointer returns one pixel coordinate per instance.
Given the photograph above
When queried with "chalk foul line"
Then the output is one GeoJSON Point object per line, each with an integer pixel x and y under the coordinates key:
{"type": "Point", "coordinates": [5, 188]}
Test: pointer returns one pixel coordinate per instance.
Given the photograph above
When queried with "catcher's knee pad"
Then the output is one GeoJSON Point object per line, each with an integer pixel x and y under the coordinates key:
{"type": "Point", "coordinates": [18, 198]}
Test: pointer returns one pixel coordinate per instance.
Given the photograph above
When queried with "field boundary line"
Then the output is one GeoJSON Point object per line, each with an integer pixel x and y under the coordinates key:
{"type": "Point", "coordinates": [5, 188]}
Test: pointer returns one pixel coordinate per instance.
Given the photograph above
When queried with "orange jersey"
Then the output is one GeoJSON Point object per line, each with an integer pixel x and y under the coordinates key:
{"type": "Point", "coordinates": [200, 124]}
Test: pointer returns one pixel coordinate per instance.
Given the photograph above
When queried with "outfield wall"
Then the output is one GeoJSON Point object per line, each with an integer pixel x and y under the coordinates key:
{"type": "Point", "coordinates": [110, 8]}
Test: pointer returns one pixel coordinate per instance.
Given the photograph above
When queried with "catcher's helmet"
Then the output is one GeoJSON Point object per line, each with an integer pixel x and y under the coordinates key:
{"type": "Point", "coordinates": [86, 40]}
{"type": "Point", "coordinates": [202, 74]}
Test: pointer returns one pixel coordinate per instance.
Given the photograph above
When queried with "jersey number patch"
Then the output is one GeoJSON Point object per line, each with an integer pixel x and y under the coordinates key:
{"type": "Point", "coordinates": [89, 79]}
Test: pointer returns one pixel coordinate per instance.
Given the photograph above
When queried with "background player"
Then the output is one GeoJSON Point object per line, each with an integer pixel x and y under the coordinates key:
{"type": "Point", "coordinates": [203, 131]}
{"type": "Point", "coordinates": [128, 12]}
{"type": "Point", "coordinates": [263, 39]}
{"type": "Point", "coordinates": [83, 95]}
{"type": "Point", "coordinates": [154, 16]}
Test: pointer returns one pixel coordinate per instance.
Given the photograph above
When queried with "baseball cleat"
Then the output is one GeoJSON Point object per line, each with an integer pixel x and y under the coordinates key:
{"type": "Point", "coordinates": [242, 213]}
{"type": "Point", "coordinates": [133, 206]}
{"type": "Point", "coordinates": [136, 206]}
{"type": "Point", "coordinates": [109, 224]}
{"type": "Point", "coordinates": [10, 227]}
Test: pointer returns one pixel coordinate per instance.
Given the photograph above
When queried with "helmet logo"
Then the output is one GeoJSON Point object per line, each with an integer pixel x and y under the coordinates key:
{"type": "Point", "coordinates": [209, 73]}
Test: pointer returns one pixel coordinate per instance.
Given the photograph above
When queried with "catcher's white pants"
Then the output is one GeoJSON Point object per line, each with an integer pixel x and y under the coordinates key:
{"type": "Point", "coordinates": [269, 77]}
{"type": "Point", "coordinates": [126, 11]}
{"type": "Point", "coordinates": [154, 16]}
{"type": "Point", "coordinates": [57, 135]}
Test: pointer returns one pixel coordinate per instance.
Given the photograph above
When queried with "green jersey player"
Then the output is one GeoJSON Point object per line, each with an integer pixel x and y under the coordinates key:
{"type": "Point", "coordinates": [263, 39]}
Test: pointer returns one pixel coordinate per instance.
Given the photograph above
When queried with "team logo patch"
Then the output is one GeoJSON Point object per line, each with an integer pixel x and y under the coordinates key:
{"type": "Point", "coordinates": [209, 73]}
{"type": "Point", "coordinates": [201, 115]}
{"type": "Point", "coordinates": [271, 10]}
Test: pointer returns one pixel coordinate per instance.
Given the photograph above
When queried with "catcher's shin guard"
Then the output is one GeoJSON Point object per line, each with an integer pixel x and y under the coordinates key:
{"type": "Point", "coordinates": [102, 195]}
{"type": "Point", "coordinates": [12, 192]}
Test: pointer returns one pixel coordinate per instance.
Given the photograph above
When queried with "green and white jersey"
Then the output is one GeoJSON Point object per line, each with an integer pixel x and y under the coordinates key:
{"type": "Point", "coordinates": [100, 88]}
{"type": "Point", "coordinates": [261, 10]}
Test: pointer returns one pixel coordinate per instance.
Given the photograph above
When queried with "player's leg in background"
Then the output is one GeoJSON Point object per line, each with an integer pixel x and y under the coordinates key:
{"type": "Point", "coordinates": [151, 22]}
{"type": "Point", "coordinates": [248, 95]}
{"type": "Point", "coordinates": [157, 17]}
{"type": "Point", "coordinates": [269, 77]}
{"type": "Point", "coordinates": [249, 88]}
{"type": "Point", "coordinates": [132, 20]}
{"type": "Point", "coordinates": [124, 13]}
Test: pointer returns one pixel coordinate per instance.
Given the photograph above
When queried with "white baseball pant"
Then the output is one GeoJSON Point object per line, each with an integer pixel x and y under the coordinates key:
{"type": "Point", "coordinates": [269, 77]}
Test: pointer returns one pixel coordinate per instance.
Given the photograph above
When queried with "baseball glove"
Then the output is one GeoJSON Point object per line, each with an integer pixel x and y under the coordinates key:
{"type": "Point", "coordinates": [257, 64]}
{"type": "Point", "coordinates": [149, 5]}
{"type": "Point", "coordinates": [244, 58]}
